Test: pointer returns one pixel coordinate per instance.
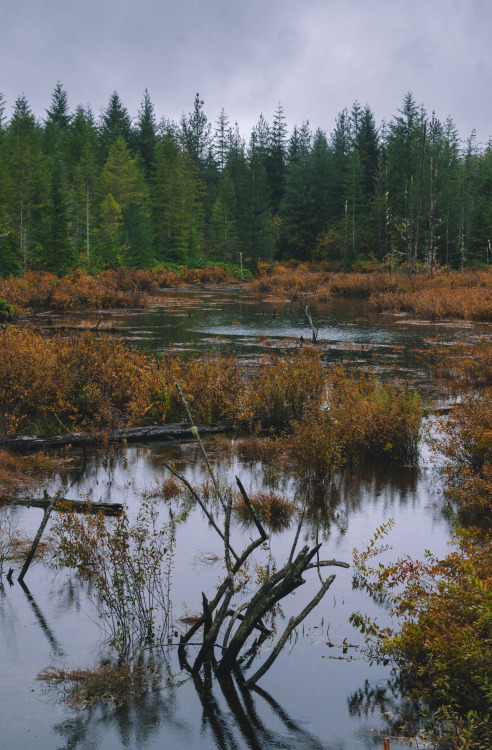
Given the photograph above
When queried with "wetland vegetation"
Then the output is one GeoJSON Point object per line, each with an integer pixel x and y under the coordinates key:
{"type": "Point", "coordinates": [324, 304]}
{"type": "Point", "coordinates": [309, 425]}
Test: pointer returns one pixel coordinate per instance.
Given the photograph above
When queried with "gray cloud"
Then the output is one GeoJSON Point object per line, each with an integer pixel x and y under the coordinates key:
{"type": "Point", "coordinates": [316, 57]}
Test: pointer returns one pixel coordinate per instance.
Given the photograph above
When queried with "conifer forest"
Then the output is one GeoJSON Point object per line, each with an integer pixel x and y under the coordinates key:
{"type": "Point", "coordinates": [103, 191]}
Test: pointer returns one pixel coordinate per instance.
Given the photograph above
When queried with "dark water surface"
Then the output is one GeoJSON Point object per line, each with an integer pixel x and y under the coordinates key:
{"type": "Point", "coordinates": [316, 695]}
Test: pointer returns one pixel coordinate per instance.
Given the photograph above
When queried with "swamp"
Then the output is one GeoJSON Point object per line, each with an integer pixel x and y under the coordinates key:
{"type": "Point", "coordinates": [77, 673]}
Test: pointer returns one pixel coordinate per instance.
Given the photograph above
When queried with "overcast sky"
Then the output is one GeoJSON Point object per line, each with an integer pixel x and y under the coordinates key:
{"type": "Point", "coordinates": [314, 56]}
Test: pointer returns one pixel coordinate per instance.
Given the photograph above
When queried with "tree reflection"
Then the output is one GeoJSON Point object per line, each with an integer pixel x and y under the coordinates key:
{"type": "Point", "coordinates": [389, 700]}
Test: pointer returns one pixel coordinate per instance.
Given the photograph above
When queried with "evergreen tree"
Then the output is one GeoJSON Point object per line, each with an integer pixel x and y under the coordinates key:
{"type": "Point", "coordinates": [260, 240]}
{"type": "Point", "coordinates": [81, 156]}
{"type": "Point", "coordinates": [297, 231]}
{"type": "Point", "coordinates": [28, 182]}
{"type": "Point", "coordinates": [146, 134]}
{"type": "Point", "coordinates": [319, 176]}
{"type": "Point", "coordinates": [176, 203]}
{"type": "Point", "coordinates": [276, 161]}
{"type": "Point", "coordinates": [115, 123]}
{"type": "Point", "coordinates": [123, 180]}
{"type": "Point", "coordinates": [223, 224]}
{"type": "Point", "coordinates": [196, 131]}
{"type": "Point", "coordinates": [222, 138]}
{"type": "Point", "coordinates": [340, 144]}
{"type": "Point", "coordinates": [57, 254]}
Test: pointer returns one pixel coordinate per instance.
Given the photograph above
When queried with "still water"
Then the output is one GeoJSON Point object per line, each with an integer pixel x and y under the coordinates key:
{"type": "Point", "coordinates": [322, 692]}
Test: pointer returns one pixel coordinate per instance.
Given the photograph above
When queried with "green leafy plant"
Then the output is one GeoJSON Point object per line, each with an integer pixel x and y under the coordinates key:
{"type": "Point", "coordinates": [129, 566]}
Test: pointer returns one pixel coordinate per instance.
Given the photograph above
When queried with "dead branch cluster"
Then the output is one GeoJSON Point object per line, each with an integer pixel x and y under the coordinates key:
{"type": "Point", "coordinates": [226, 628]}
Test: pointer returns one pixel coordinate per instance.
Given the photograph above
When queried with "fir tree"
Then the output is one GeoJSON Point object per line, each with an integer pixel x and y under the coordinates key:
{"type": "Point", "coordinates": [146, 134]}
{"type": "Point", "coordinates": [115, 123]}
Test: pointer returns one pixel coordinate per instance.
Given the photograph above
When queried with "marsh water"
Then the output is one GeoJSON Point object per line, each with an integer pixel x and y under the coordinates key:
{"type": "Point", "coordinates": [323, 691]}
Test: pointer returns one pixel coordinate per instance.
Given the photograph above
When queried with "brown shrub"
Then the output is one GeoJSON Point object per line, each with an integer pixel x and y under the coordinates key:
{"type": "Point", "coordinates": [468, 362]}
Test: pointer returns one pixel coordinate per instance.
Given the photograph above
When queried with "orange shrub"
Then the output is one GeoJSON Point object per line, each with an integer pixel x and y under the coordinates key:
{"type": "Point", "coordinates": [466, 440]}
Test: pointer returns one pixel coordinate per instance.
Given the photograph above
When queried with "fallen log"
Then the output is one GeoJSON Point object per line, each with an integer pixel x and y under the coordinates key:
{"type": "Point", "coordinates": [65, 505]}
{"type": "Point", "coordinates": [167, 433]}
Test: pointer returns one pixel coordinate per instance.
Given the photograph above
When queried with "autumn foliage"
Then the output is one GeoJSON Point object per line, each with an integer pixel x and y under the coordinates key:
{"type": "Point", "coordinates": [444, 643]}
{"type": "Point", "coordinates": [465, 438]}
{"type": "Point", "coordinates": [120, 288]}
{"type": "Point", "coordinates": [320, 419]}
{"type": "Point", "coordinates": [465, 295]}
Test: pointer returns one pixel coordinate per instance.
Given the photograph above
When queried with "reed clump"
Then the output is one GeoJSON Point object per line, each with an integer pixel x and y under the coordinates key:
{"type": "Point", "coordinates": [36, 290]}
{"type": "Point", "coordinates": [362, 420]}
{"type": "Point", "coordinates": [105, 683]}
{"type": "Point", "coordinates": [465, 295]}
{"type": "Point", "coordinates": [274, 509]}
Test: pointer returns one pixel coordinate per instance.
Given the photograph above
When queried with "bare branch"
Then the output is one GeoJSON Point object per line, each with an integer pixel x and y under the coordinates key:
{"type": "Point", "coordinates": [293, 623]}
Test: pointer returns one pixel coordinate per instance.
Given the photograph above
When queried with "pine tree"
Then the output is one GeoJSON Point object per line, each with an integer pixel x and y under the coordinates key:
{"type": "Point", "coordinates": [81, 153]}
{"type": "Point", "coordinates": [28, 195]}
{"type": "Point", "coordinates": [196, 131]}
{"type": "Point", "coordinates": [260, 241]}
{"type": "Point", "coordinates": [297, 232]}
{"type": "Point", "coordinates": [222, 138]}
{"type": "Point", "coordinates": [57, 255]}
{"type": "Point", "coordinates": [146, 134]}
{"type": "Point", "coordinates": [276, 161]}
{"type": "Point", "coordinates": [223, 224]}
{"type": "Point", "coordinates": [115, 123]}
{"type": "Point", "coordinates": [176, 203]}
{"type": "Point", "coordinates": [340, 143]}
{"type": "Point", "coordinates": [123, 180]}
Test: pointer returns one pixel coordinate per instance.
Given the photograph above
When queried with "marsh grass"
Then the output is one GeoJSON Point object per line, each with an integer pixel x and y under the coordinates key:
{"type": "Point", "coordinates": [466, 295]}
{"type": "Point", "coordinates": [18, 472]}
{"type": "Point", "coordinates": [105, 683]}
{"type": "Point", "coordinates": [463, 362]}
{"type": "Point", "coordinates": [274, 509]}
{"type": "Point", "coordinates": [119, 288]}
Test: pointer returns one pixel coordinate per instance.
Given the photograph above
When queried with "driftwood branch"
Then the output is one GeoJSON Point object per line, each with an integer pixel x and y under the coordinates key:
{"type": "Point", "coordinates": [172, 433]}
{"type": "Point", "coordinates": [202, 505]}
{"type": "Point", "coordinates": [65, 505]}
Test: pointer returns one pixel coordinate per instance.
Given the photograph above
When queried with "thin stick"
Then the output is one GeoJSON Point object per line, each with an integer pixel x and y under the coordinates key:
{"type": "Point", "coordinates": [38, 536]}
{"type": "Point", "coordinates": [202, 506]}
{"type": "Point", "coordinates": [254, 515]}
{"type": "Point", "coordinates": [194, 430]}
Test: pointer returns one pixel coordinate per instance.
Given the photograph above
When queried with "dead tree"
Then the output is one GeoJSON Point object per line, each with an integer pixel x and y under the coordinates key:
{"type": "Point", "coordinates": [249, 615]}
{"type": "Point", "coordinates": [312, 325]}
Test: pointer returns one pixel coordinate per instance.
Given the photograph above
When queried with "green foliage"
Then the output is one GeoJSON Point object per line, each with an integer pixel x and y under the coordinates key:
{"type": "Point", "coordinates": [129, 566]}
{"type": "Point", "coordinates": [6, 310]}
{"type": "Point", "coordinates": [187, 194]}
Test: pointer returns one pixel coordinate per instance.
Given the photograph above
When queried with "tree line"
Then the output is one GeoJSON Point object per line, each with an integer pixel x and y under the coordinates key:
{"type": "Point", "coordinates": [76, 190]}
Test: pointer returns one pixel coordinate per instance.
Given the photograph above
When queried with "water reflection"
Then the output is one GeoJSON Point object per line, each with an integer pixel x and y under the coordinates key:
{"type": "Point", "coordinates": [249, 728]}
{"type": "Point", "coordinates": [389, 700]}
{"type": "Point", "coordinates": [51, 638]}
